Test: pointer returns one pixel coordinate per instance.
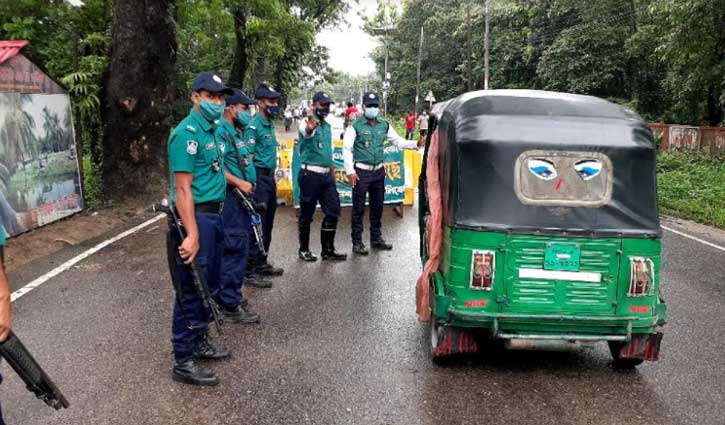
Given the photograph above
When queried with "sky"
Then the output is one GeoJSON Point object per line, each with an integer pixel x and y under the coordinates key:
{"type": "Point", "coordinates": [348, 44]}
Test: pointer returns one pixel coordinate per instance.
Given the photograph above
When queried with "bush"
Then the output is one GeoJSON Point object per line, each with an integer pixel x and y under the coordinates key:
{"type": "Point", "coordinates": [91, 184]}
{"type": "Point", "coordinates": [692, 186]}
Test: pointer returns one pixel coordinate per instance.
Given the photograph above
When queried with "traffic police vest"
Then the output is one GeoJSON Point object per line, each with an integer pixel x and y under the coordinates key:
{"type": "Point", "coordinates": [369, 140]}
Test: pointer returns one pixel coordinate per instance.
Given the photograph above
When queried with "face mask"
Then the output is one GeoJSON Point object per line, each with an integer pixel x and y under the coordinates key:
{"type": "Point", "coordinates": [273, 111]}
{"type": "Point", "coordinates": [243, 118]}
{"type": "Point", "coordinates": [322, 112]}
{"type": "Point", "coordinates": [371, 113]}
{"type": "Point", "coordinates": [211, 111]}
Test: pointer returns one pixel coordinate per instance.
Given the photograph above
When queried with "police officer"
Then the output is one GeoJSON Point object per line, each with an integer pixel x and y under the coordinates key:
{"type": "Point", "coordinates": [239, 173]}
{"type": "Point", "coordinates": [363, 155]}
{"type": "Point", "coordinates": [196, 168]}
{"type": "Point", "coordinates": [262, 143]}
{"type": "Point", "coordinates": [316, 180]}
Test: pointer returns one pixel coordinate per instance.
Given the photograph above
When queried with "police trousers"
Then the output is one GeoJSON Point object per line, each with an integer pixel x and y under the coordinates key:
{"type": "Point", "coordinates": [237, 232]}
{"type": "Point", "coordinates": [266, 191]}
{"type": "Point", "coordinates": [372, 183]}
{"type": "Point", "coordinates": [318, 187]}
{"type": "Point", "coordinates": [190, 319]}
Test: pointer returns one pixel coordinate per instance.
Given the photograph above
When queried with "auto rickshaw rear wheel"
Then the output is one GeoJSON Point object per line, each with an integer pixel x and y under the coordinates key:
{"type": "Point", "coordinates": [618, 362]}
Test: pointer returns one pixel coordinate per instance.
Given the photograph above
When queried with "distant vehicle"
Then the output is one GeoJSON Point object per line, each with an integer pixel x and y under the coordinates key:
{"type": "Point", "coordinates": [549, 225]}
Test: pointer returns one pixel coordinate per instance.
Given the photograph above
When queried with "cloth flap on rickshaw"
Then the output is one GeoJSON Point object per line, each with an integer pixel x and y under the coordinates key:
{"type": "Point", "coordinates": [531, 161]}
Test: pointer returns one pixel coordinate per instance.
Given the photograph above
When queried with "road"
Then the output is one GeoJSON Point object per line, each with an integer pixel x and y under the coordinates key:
{"type": "Point", "coordinates": [340, 344]}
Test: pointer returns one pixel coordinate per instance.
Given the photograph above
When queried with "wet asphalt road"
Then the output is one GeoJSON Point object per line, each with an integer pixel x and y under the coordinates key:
{"type": "Point", "coordinates": [340, 344]}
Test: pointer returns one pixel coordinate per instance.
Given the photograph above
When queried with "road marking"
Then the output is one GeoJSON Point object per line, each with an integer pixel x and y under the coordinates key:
{"type": "Point", "coordinates": [704, 242]}
{"type": "Point", "coordinates": [70, 263]}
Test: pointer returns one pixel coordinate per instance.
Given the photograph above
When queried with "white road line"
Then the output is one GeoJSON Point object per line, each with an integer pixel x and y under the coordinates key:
{"type": "Point", "coordinates": [710, 244]}
{"type": "Point", "coordinates": [70, 263]}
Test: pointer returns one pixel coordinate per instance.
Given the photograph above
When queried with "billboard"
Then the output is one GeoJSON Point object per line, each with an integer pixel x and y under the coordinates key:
{"type": "Point", "coordinates": [39, 172]}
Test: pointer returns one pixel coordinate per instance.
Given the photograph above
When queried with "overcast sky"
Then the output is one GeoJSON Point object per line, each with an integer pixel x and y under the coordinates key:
{"type": "Point", "coordinates": [349, 45]}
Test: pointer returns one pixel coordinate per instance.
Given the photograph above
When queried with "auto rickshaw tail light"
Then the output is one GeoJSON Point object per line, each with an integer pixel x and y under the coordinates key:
{"type": "Point", "coordinates": [483, 270]}
{"type": "Point", "coordinates": [641, 277]}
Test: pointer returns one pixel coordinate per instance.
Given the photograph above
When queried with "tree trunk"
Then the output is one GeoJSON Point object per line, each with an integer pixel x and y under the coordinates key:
{"type": "Point", "coordinates": [240, 64]}
{"type": "Point", "coordinates": [137, 98]}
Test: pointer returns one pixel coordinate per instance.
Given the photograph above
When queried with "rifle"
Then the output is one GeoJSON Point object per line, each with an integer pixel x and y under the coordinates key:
{"type": "Point", "coordinates": [202, 289]}
{"type": "Point", "coordinates": [31, 373]}
{"type": "Point", "coordinates": [255, 216]}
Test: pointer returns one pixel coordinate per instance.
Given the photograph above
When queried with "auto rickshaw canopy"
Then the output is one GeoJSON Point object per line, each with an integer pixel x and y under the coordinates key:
{"type": "Point", "coordinates": [530, 161]}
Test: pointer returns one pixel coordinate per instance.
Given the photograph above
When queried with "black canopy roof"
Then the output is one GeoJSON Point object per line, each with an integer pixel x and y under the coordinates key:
{"type": "Point", "coordinates": [487, 137]}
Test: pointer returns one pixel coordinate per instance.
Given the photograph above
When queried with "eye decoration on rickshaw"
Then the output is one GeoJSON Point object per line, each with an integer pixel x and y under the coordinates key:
{"type": "Point", "coordinates": [588, 168]}
{"type": "Point", "coordinates": [542, 169]}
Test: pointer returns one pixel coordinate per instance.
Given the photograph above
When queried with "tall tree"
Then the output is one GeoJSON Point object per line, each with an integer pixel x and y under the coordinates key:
{"type": "Point", "coordinates": [138, 97]}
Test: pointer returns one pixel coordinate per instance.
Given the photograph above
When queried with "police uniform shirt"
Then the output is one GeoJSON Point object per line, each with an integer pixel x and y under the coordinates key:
{"type": "Point", "coordinates": [316, 149]}
{"type": "Point", "coordinates": [193, 148]}
{"type": "Point", "coordinates": [262, 142]}
{"type": "Point", "coordinates": [235, 148]}
{"type": "Point", "coordinates": [350, 138]}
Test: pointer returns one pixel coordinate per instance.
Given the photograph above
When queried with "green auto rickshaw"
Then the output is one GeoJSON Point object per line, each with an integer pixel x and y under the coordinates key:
{"type": "Point", "coordinates": [545, 208]}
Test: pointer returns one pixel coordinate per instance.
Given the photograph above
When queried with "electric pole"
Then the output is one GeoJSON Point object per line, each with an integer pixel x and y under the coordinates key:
{"type": "Point", "coordinates": [485, 47]}
{"type": "Point", "coordinates": [420, 55]}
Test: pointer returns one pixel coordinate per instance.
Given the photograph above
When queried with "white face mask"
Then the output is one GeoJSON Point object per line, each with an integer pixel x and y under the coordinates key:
{"type": "Point", "coordinates": [371, 113]}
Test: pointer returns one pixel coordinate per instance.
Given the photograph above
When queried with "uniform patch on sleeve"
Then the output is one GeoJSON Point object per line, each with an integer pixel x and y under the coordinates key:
{"type": "Point", "coordinates": [192, 147]}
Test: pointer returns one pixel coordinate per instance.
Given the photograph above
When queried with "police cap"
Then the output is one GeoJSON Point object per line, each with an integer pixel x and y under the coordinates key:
{"type": "Point", "coordinates": [265, 91]}
{"type": "Point", "coordinates": [321, 97]}
{"type": "Point", "coordinates": [370, 98]}
{"type": "Point", "coordinates": [210, 82]}
{"type": "Point", "coordinates": [237, 98]}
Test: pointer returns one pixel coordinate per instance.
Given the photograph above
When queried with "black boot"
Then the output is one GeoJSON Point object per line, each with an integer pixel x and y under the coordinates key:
{"type": "Point", "coordinates": [359, 248]}
{"type": "Point", "coordinates": [205, 351]}
{"type": "Point", "coordinates": [304, 252]}
{"type": "Point", "coordinates": [256, 282]}
{"type": "Point", "coordinates": [242, 314]}
{"type": "Point", "coordinates": [327, 237]}
{"type": "Point", "coordinates": [190, 372]}
{"type": "Point", "coordinates": [380, 243]}
{"type": "Point", "coordinates": [266, 269]}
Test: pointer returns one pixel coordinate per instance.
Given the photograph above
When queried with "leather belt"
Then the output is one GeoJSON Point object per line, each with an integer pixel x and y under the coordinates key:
{"type": "Point", "coordinates": [368, 167]}
{"type": "Point", "coordinates": [262, 171]}
{"type": "Point", "coordinates": [209, 207]}
{"type": "Point", "coordinates": [316, 168]}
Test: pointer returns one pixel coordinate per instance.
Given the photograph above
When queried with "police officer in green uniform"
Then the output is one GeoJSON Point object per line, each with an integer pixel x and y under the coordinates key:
{"type": "Point", "coordinates": [316, 180]}
{"type": "Point", "coordinates": [240, 175]}
{"type": "Point", "coordinates": [262, 143]}
{"type": "Point", "coordinates": [198, 188]}
{"type": "Point", "coordinates": [363, 153]}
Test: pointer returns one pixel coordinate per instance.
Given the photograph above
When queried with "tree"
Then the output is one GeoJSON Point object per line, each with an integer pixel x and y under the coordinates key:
{"type": "Point", "coordinates": [138, 97]}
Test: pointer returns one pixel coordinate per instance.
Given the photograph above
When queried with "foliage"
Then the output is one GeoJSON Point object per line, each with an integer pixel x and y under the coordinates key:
{"type": "Point", "coordinates": [92, 184]}
{"type": "Point", "coordinates": [666, 57]}
{"type": "Point", "coordinates": [692, 186]}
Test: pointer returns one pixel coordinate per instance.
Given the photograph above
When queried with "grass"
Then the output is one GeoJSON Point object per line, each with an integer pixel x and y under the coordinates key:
{"type": "Point", "coordinates": [692, 186]}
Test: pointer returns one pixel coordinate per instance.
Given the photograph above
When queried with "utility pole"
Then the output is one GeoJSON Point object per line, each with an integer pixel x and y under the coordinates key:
{"type": "Point", "coordinates": [485, 47]}
{"type": "Point", "coordinates": [420, 55]}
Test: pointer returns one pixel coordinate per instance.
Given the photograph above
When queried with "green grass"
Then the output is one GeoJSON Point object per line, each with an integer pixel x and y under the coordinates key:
{"type": "Point", "coordinates": [692, 186]}
{"type": "Point", "coordinates": [91, 184]}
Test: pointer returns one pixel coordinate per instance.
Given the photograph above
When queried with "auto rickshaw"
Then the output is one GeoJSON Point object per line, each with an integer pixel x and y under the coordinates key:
{"type": "Point", "coordinates": [546, 211]}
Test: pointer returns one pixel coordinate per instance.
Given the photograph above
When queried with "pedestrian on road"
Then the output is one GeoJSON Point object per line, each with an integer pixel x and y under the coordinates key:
{"type": "Point", "coordinates": [5, 308]}
{"type": "Point", "coordinates": [239, 174]}
{"type": "Point", "coordinates": [316, 180]}
{"type": "Point", "coordinates": [423, 123]}
{"type": "Point", "coordinates": [262, 143]}
{"type": "Point", "coordinates": [196, 168]}
{"type": "Point", "coordinates": [410, 125]}
{"type": "Point", "coordinates": [287, 120]}
{"type": "Point", "coordinates": [363, 155]}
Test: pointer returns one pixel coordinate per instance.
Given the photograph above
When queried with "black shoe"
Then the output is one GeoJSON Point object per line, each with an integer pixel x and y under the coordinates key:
{"type": "Point", "coordinates": [333, 256]}
{"type": "Point", "coordinates": [206, 351]}
{"type": "Point", "coordinates": [307, 256]}
{"type": "Point", "coordinates": [266, 269]}
{"type": "Point", "coordinates": [359, 248]}
{"type": "Point", "coordinates": [242, 314]}
{"type": "Point", "coordinates": [381, 245]}
{"type": "Point", "coordinates": [256, 282]}
{"type": "Point", "coordinates": [190, 372]}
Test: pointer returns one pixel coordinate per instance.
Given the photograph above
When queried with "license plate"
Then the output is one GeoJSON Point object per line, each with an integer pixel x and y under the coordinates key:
{"type": "Point", "coordinates": [559, 256]}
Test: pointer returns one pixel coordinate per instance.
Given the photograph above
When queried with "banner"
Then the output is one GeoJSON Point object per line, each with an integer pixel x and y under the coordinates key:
{"type": "Point", "coordinates": [394, 175]}
{"type": "Point", "coordinates": [39, 176]}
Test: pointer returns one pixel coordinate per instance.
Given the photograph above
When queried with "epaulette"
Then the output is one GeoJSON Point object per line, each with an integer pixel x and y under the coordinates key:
{"type": "Point", "coordinates": [190, 128]}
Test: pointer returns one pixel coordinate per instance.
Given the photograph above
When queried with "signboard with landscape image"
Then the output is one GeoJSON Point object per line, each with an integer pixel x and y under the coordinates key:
{"type": "Point", "coordinates": [39, 175]}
